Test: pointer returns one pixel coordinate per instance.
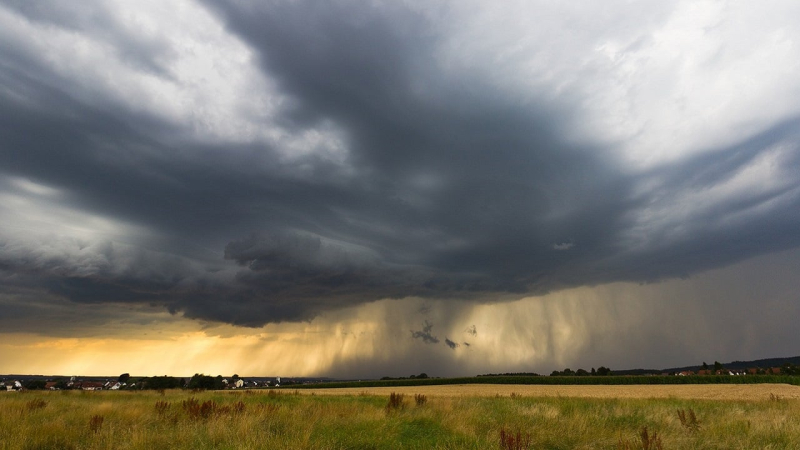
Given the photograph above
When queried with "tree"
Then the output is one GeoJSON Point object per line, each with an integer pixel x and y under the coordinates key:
{"type": "Point", "coordinates": [594, 372]}
{"type": "Point", "coordinates": [124, 377]}
{"type": "Point", "coordinates": [717, 366]}
{"type": "Point", "coordinates": [705, 366]}
{"type": "Point", "coordinates": [165, 382]}
{"type": "Point", "coordinates": [34, 385]}
{"type": "Point", "coordinates": [603, 371]}
{"type": "Point", "coordinates": [200, 381]}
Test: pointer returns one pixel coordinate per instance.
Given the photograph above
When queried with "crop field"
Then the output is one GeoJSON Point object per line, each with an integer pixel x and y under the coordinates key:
{"type": "Point", "coordinates": [765, 416]}
{"type": "Point", "coordinates": [682, 391]}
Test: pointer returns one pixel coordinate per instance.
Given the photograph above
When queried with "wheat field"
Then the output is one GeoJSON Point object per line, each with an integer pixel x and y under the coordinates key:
{"type": "Point", "coordinates": [681, 391]}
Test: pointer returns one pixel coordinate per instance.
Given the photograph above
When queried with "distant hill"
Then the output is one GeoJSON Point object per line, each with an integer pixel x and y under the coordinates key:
{"type": "Point", "coordinates": [764, 363]}
{"type": "Point", "coordinates": [769, 362]}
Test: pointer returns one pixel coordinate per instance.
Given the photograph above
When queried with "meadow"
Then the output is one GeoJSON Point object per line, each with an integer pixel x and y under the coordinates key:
{"type": "Point", "coordinates": [502, 417]}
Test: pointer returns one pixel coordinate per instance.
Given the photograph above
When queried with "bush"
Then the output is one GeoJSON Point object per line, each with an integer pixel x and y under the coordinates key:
{"type": "Point", "coordinates": [162, 407]}
{"type": "Point", "coordinates": [96, 423]}
{"type": "Point", "coordinates": [514, 441]}
{"type": "Point", "coordinates": [395, 402]}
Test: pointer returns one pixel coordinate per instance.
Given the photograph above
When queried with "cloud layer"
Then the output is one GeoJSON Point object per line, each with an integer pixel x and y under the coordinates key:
{"type": "Point", "coordinates": [252, 163]}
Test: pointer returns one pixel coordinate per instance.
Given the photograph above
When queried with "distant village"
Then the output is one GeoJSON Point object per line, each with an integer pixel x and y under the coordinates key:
{"type": "Point", "coordinates": [126, 382]}
{"type": "Point", "coordinates": [13, 383]}
{"type": "Point", "coordinates": [734, 372]}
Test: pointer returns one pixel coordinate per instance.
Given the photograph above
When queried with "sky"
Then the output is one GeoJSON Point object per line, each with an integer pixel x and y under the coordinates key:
{"type": "Point", "coordinates": [383, 188]}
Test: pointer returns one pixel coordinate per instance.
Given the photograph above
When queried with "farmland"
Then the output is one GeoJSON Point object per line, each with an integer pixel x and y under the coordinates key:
{"type": "Point", "coordinates": [422, 417]}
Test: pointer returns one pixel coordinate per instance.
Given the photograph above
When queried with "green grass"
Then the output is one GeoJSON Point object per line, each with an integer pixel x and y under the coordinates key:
{"type": "Point", "coordinates": [131, 420]}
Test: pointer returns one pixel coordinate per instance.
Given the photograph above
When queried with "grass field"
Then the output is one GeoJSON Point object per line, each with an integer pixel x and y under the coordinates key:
{"type": "Point", "coordinates": [449, 417]}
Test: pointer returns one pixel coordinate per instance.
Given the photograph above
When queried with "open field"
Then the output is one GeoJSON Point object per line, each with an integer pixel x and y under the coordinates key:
{"type": "Point", "coordinates": [449, 417]}
{"type": "Point", "coordinates": [611, 380]}
{"type": "Point", "coordinates": [682, 391]}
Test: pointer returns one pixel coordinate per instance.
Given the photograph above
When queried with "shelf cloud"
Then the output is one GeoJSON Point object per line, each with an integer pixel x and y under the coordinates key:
{"type": "Point", "coordinates": [252, 163]}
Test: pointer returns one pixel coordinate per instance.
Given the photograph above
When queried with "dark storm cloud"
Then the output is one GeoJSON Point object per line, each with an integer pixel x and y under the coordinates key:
{"type": "Point", "coordinates": [425, 334]}
{"type": "Point", "coordinates": [451, 344]}
{"type": "Point", "coordinates": [449, 187]}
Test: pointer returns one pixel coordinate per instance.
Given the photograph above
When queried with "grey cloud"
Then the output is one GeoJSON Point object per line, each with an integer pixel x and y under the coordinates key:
{"type": "Point", "coordinates": [451, 344]}
{"type": "Point", "coordinates": [297, 251]}
{"type": "Point", "coordinates": [143, 50]}
{"type": "Point", "coordinates": [449, 187]}
{"type": "Point", "coordinates": [425, 334]}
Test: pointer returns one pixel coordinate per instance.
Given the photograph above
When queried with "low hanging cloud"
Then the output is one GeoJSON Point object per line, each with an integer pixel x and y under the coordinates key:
{"type": "Point", "coordinates": [425, 334]}
{"type": "Point", "coordinates": [355, 153]}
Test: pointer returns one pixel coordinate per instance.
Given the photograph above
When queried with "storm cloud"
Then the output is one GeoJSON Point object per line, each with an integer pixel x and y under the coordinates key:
{"type": "Point", "coordinates": [264, 162]}
{"type": "Point", "coordinates": [425, 334]}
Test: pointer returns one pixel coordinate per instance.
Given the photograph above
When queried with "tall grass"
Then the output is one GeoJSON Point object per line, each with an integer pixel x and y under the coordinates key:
{"type": "Point", "coordinates": [148, 420]}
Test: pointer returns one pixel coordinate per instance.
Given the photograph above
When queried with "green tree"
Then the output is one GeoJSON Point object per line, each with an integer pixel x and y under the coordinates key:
{"type": "Point", "coordinates": [34, 385]}
{"type": "Point", "coordinates": [165, 382]}
{"type": "Point", "coordinates": [201, 381]}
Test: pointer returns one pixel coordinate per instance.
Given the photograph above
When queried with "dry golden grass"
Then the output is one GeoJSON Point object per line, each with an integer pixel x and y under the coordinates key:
{"type": "Point", "coordinates": [453, 417]}
{"type": "Point", "coordinates": [678, 391]}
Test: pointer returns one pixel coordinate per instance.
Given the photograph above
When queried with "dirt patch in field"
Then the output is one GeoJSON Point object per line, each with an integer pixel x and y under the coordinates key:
{"type": "Point", "coordinates": [685, 391]}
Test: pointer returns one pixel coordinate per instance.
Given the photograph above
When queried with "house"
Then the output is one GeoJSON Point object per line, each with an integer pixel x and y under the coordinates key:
{"type": "Point", "coordinates": [13, 386]}
{"type": "Point", "coordinates": [685, 373]}
{"type": "Point", "coordinates": [51, 385]}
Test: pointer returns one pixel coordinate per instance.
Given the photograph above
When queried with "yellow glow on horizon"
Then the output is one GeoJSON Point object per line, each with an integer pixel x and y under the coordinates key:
{"type": "Point", "coordinates": [587, 325]}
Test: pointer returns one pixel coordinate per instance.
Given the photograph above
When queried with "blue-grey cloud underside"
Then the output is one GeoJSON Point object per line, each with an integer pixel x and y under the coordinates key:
{"type": "Point", "coordinates": [448, 187]}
